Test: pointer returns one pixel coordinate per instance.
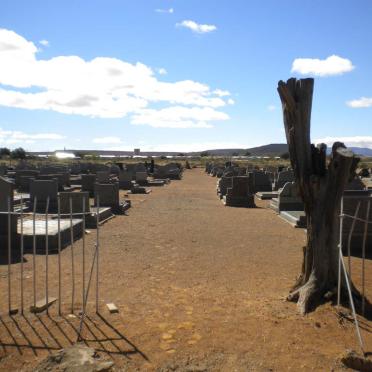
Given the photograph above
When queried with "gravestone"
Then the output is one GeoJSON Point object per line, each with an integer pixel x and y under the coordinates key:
{"type": "Point", "coordinates": [140, 167]}
{"type": "Point", "coordinates": [24, 173]}
{"type": "Point", "coordinates": [261, 181]}
{"type": "Point", "coordinates": [24, 183]}
{"type": "Point", "coordinates": [53, 169]}
{"type": "Point", "coordinates": [103, 177]}
{"type": "Point", "coordinates": [171, 171]}
{"type": "Point", "coordinates": [141, 178]}
{"type": "Point", "coordinates": [108, 194]}
{"type": "Point", "coordinates": [114, 169]}
{"type": "Point", "coordinates": [240, 194]}
{"type": "Point", "coordinates": [41, 190]}
{"type": "Point", "coordinates": [79, 201]}
{"type": "Point", "coordinates": [222, 185]}
{"type": "Point", "coordinates": [356, 200]}
{"type": "Point", "coordinates": [88, 182]}
{"type": "Point", "coordinates": [3, 170]}
{"type": "Point", "coordinates": [125, 180]}
{"type": "Point", "coordinates": [60, 178]}
{"type": "Point", "coordinates": [7, 204]}
{"type": "Point", "coordinates": [131, 169]}
{"type": "Point", "coordinates": [75, 168]}
{"type": "Point", "coordinates": [288, 199]}
{"type": "Point", "coordinates": [284, 177]}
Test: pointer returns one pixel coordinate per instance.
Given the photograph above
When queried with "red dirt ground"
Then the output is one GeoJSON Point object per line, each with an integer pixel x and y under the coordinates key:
{"type": "Point", "coordinates": [199, 287]}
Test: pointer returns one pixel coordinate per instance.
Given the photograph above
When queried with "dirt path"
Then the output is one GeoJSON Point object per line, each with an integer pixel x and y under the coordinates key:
{"type": "Point", "coordinates": [199, 286]}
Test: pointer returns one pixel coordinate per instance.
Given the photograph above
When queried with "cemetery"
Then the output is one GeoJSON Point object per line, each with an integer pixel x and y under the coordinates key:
{"type": "Point", "coordinates": [146, 261]}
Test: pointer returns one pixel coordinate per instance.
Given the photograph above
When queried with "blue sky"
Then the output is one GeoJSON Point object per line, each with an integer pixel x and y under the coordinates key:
{"type": "Point", "coordinates": [179, 74]}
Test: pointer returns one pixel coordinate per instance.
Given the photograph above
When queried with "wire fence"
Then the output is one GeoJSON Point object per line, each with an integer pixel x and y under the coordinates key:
{"type": "Point", "coordinates": [355, 225]}
{"type": "Point", "coordinates": [39, 234]}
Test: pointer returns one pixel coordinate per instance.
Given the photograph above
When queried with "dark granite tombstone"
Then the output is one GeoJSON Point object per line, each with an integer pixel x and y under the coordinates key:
{"type": "Point", "coordinates": [42, 190]}
{"type": "Point", "coordinates": [24, 173]}
{"type": "Point", "coordinates": [261, 181]}
{"type": "Point", "coordinates": [24, 183]}
{"type": "Point", "coordinates": [103, 177]}
{"type": "Point", "coordinates": [3, 170]}
{"type": "Point", "coordinates": [88, 183]}
{"type": "Point", "coordinates": [108, 196]}
{"type": "Point", "coordinates": [7, 204]}
{"type": "Point", "coordinates": [222, 185]}
{"type": "Point", "coordinates": [284, 177]}
{"type": "Point", "coordinates": [60, 178]}
{"type": "Point", "coordinates": [79, 201]}
{"type": "Point", "coordinates": [125, 180]}
{"type": "Point", "coordinates": [141, 178]}
{"type": "Point", "coordinates": [240, 194]}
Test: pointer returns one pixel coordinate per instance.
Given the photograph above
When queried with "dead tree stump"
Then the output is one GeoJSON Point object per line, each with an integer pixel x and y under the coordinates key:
{"type": "Point", "coordinates": [321, 187]}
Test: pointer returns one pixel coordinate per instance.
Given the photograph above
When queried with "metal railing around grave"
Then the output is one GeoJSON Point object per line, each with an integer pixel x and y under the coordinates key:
{"type": "Point", "coordinates": [18, 218]}
{"type": "Point", "coordinates": [361, 201]}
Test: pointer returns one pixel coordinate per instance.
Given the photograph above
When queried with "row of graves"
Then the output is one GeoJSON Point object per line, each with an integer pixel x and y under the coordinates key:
{"type": "Point", "coordinates": [51, 205]}
{"type": "Point", "coordinates": [239, 187]}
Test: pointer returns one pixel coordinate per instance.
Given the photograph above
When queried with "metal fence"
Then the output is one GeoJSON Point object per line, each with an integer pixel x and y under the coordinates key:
{"type": "Point", "coordinates": [362, 202]}
{"type": "Point", "coordinates": [17, 219]}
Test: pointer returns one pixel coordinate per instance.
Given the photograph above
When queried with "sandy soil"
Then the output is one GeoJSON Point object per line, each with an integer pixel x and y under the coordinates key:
{"type": "Point", "coordinates": [199, 287]}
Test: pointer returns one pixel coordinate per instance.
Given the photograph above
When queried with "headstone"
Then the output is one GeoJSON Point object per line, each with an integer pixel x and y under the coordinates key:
{"type": "Point", "coordinates": [141, 178]}
{"type": "Point", "coordinates": [240, 194]}
{"type": "Point", "coordinates": [24, 183]}
{"type": "Point", "coordinates": [284, 177]}
{"type": "Point", "coordinates": [352, 199]}
{"type": "Point", "coordinates": [60, 178]}
{"type": "Point", "coordinates": [23, 173]}
{"type": "Point", "coordinates": [7, 204]}
{"type": "Point", "coordinates": [222, 185]}
{"type": "Point", "coordinates": [261, 181]}
{"type": "Point", "coordinates": [42, 190]}
{"type": "Point", "coordinates": [103, 176]}
{"type": "Point", "coordinates": [3, 170]}
{"type": "Point", "coordinates": [88, 182]}
{"type": "Point", "coordinates": [171, 171]}
{"type": "Point", "coordinates": [79, 201]}
{"type": "Point", "coordinates": [288, 199]}
{"type": "Point", "coordinates": [108, 196]}
{"type": "Point", "coordinates": [125, 180]}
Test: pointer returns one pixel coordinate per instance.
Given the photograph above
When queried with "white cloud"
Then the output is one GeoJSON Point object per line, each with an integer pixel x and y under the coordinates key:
{"type": "Point", "coordinates": [162, 71]}
{"type": "Point", "coordinates": [107, 140]}
{"type": "Point", "coordinates": [196, 27]}
{"type": "Point", "coordinates": [44, 42]}
{"type": "Point", "coordinates": [12, 137]}
{"type": "Point", "coordinates": [102, 87]}
{"type": "Point", "coordinates": [271, 107]}
{"type": "Point", "coordinates": [169, 10]}
{"type": "Point", "coordinates": [362, 102]}
{"type": "Point", "coordinates": [179, 117]}
{"type": "Point", "coordinates": [354, 141]}
{"type": "Point", "coordinates": [221, 93]}
{"type": "Point", "coordinates": [333, 65]}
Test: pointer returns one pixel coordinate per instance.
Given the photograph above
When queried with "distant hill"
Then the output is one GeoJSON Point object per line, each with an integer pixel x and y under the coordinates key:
{"type": "Point", "coordinates": [362, 151]}
{"type": "Point", "coordinates": [272, 150]}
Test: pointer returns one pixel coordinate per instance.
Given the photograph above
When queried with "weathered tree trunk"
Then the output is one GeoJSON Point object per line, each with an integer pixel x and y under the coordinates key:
{"type": "Point", "coordinates": [321, 188]}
